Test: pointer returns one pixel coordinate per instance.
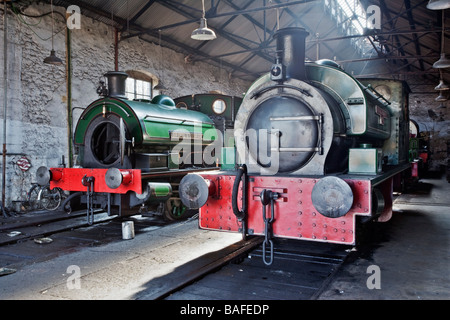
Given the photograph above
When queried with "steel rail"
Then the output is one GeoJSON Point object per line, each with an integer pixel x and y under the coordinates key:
{"type": "Point", "coordinates": [201, 266]}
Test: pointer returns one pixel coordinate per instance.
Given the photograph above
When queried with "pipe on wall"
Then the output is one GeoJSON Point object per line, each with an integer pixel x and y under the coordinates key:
{"type": "Point", "coordinates": [5, 102]}
{"type": "Point", "coordinates": [116, 49]}
{"type": "Point", "coordinates": [69, 95]}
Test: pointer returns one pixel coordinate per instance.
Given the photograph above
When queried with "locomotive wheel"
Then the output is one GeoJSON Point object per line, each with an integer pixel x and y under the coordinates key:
{"type": "Point", "coordinates": [174, 209]}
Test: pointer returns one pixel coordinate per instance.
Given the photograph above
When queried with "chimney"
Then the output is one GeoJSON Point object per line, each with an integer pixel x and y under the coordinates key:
{"type": "Point", "coordinates": [116, 83]}
{"type": "Point", "coordinates": [290, 61]}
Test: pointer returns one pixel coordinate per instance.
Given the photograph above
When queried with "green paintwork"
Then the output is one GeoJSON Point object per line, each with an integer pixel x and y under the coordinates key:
{"type": "Point", "coordinates": [204, 103]}
{"type": "Point", "coordinates": [160, 190]}
{"type": "Point", "coordinates": [148, 122]}
{"type": "Point", "coordinates": [364, 160]}
{"type": "Point", "coordinates": [359, 105]}
{"type": "Point", "coordinates": [228, 160]}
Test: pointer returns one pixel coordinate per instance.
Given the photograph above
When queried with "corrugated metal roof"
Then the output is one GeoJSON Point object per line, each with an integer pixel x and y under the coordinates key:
{"type": "Point", "coordinates": [409, 35]}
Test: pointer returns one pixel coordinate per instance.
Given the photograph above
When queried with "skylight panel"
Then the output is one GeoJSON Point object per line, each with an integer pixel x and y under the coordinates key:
{"type": "Point", "coordinates": [354, 12]}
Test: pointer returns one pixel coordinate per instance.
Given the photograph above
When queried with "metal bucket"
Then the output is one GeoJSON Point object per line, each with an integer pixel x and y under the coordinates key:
{"type": "Point", "coordinates": [127, 230]}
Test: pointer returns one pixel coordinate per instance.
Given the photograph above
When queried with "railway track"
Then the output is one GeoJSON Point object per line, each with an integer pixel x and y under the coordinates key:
{"type": "Point", "coordinates": [20, 235]}
{"type": "Point", "coordinates": [41, 224]}
{"type": "Point", "coordinates": [301, 270]}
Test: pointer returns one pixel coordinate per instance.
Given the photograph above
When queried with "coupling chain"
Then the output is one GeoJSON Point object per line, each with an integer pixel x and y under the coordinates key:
{"type": "Point", "coordinates": [89, 183]}
{"type": "Point", "coordinates": [267, 197]}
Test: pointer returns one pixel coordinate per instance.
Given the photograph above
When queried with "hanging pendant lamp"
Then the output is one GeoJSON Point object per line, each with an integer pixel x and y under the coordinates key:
{"type": "Point", "coordinates": [203, 32]}
{"type": "Point", "coordinates": [52, 59]}
{"type": "Point", "coordinates": [441, 97]}
{"type": "Point", "coordinates": [160, 86]}
{"type": "Point", "coordinates": [443, 62]}
{"type": "Point", "coordinates": [438, 4]}
{"type": "Point", "coordinates": [442, 86]}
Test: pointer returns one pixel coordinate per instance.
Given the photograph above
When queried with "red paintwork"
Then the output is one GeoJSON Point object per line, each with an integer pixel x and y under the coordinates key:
{"type": "Point", "coordinates": [295, 215]}
{"type": "Point", "coordinates": [70, 179]}
{"type": "Point", "coordinates": [415, 169]}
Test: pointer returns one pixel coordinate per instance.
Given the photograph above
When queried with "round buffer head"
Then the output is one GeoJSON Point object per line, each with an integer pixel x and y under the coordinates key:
{"type": "Point", "coordinates": [194, 191]}
{"type": "Point", "coordinates": [113, 178]}
{"type": "Point", "coordinates": [332, 197]}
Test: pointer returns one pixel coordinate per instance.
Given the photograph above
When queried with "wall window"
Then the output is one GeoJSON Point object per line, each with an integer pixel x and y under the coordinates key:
{"type": "Point", "coordinates": [138, 89]}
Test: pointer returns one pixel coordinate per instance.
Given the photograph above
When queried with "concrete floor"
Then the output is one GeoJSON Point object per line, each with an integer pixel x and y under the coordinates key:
{"type": "Point", "coordinates": [411, 252]}
{"type": "Point", "coordinates": [117, 270]}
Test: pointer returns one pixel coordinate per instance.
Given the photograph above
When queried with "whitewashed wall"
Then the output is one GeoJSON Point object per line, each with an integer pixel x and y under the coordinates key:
{"type": "Point", "coordinates": [37, 117]}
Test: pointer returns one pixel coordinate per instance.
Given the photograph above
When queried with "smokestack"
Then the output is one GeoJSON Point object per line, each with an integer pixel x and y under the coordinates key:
{"type": "Point", "coordinates": [116, 83]}
{"type": "Point", "coordinates": [291, 49]}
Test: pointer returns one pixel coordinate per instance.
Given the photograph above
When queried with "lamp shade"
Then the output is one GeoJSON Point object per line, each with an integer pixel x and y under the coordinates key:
{"type": "Point", "coordinates": [203, 32]}
{"type": "Point", "coordinates": [441, 97]}
{"type": "Point", "coordinates": [438, 4]}
{"type": "Point", "coordinates": [53, 59]}
{"type": "Point", "coordinates": [443, 62]}
{"type": "Point", "coordinates": [160, 86]}
{"type": "Point", "coordinates": [442, 86]}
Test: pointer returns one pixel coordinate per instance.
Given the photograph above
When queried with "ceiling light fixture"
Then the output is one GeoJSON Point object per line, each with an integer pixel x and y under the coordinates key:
{"type": "Point", "coordinates": [443, 62]}
{"type": "Point", "coordinates": [203, 32]}
{"type": "Point", "coordinates": [438, 4]}
{"type": "Point", "coordinates": [441, 97]}
{"type": "Point", "coordinates": [52, 59]}
{"type": "Point", "coordinates": [442, 85]}
{"type": "Point", "coordinates": [160, 87]}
